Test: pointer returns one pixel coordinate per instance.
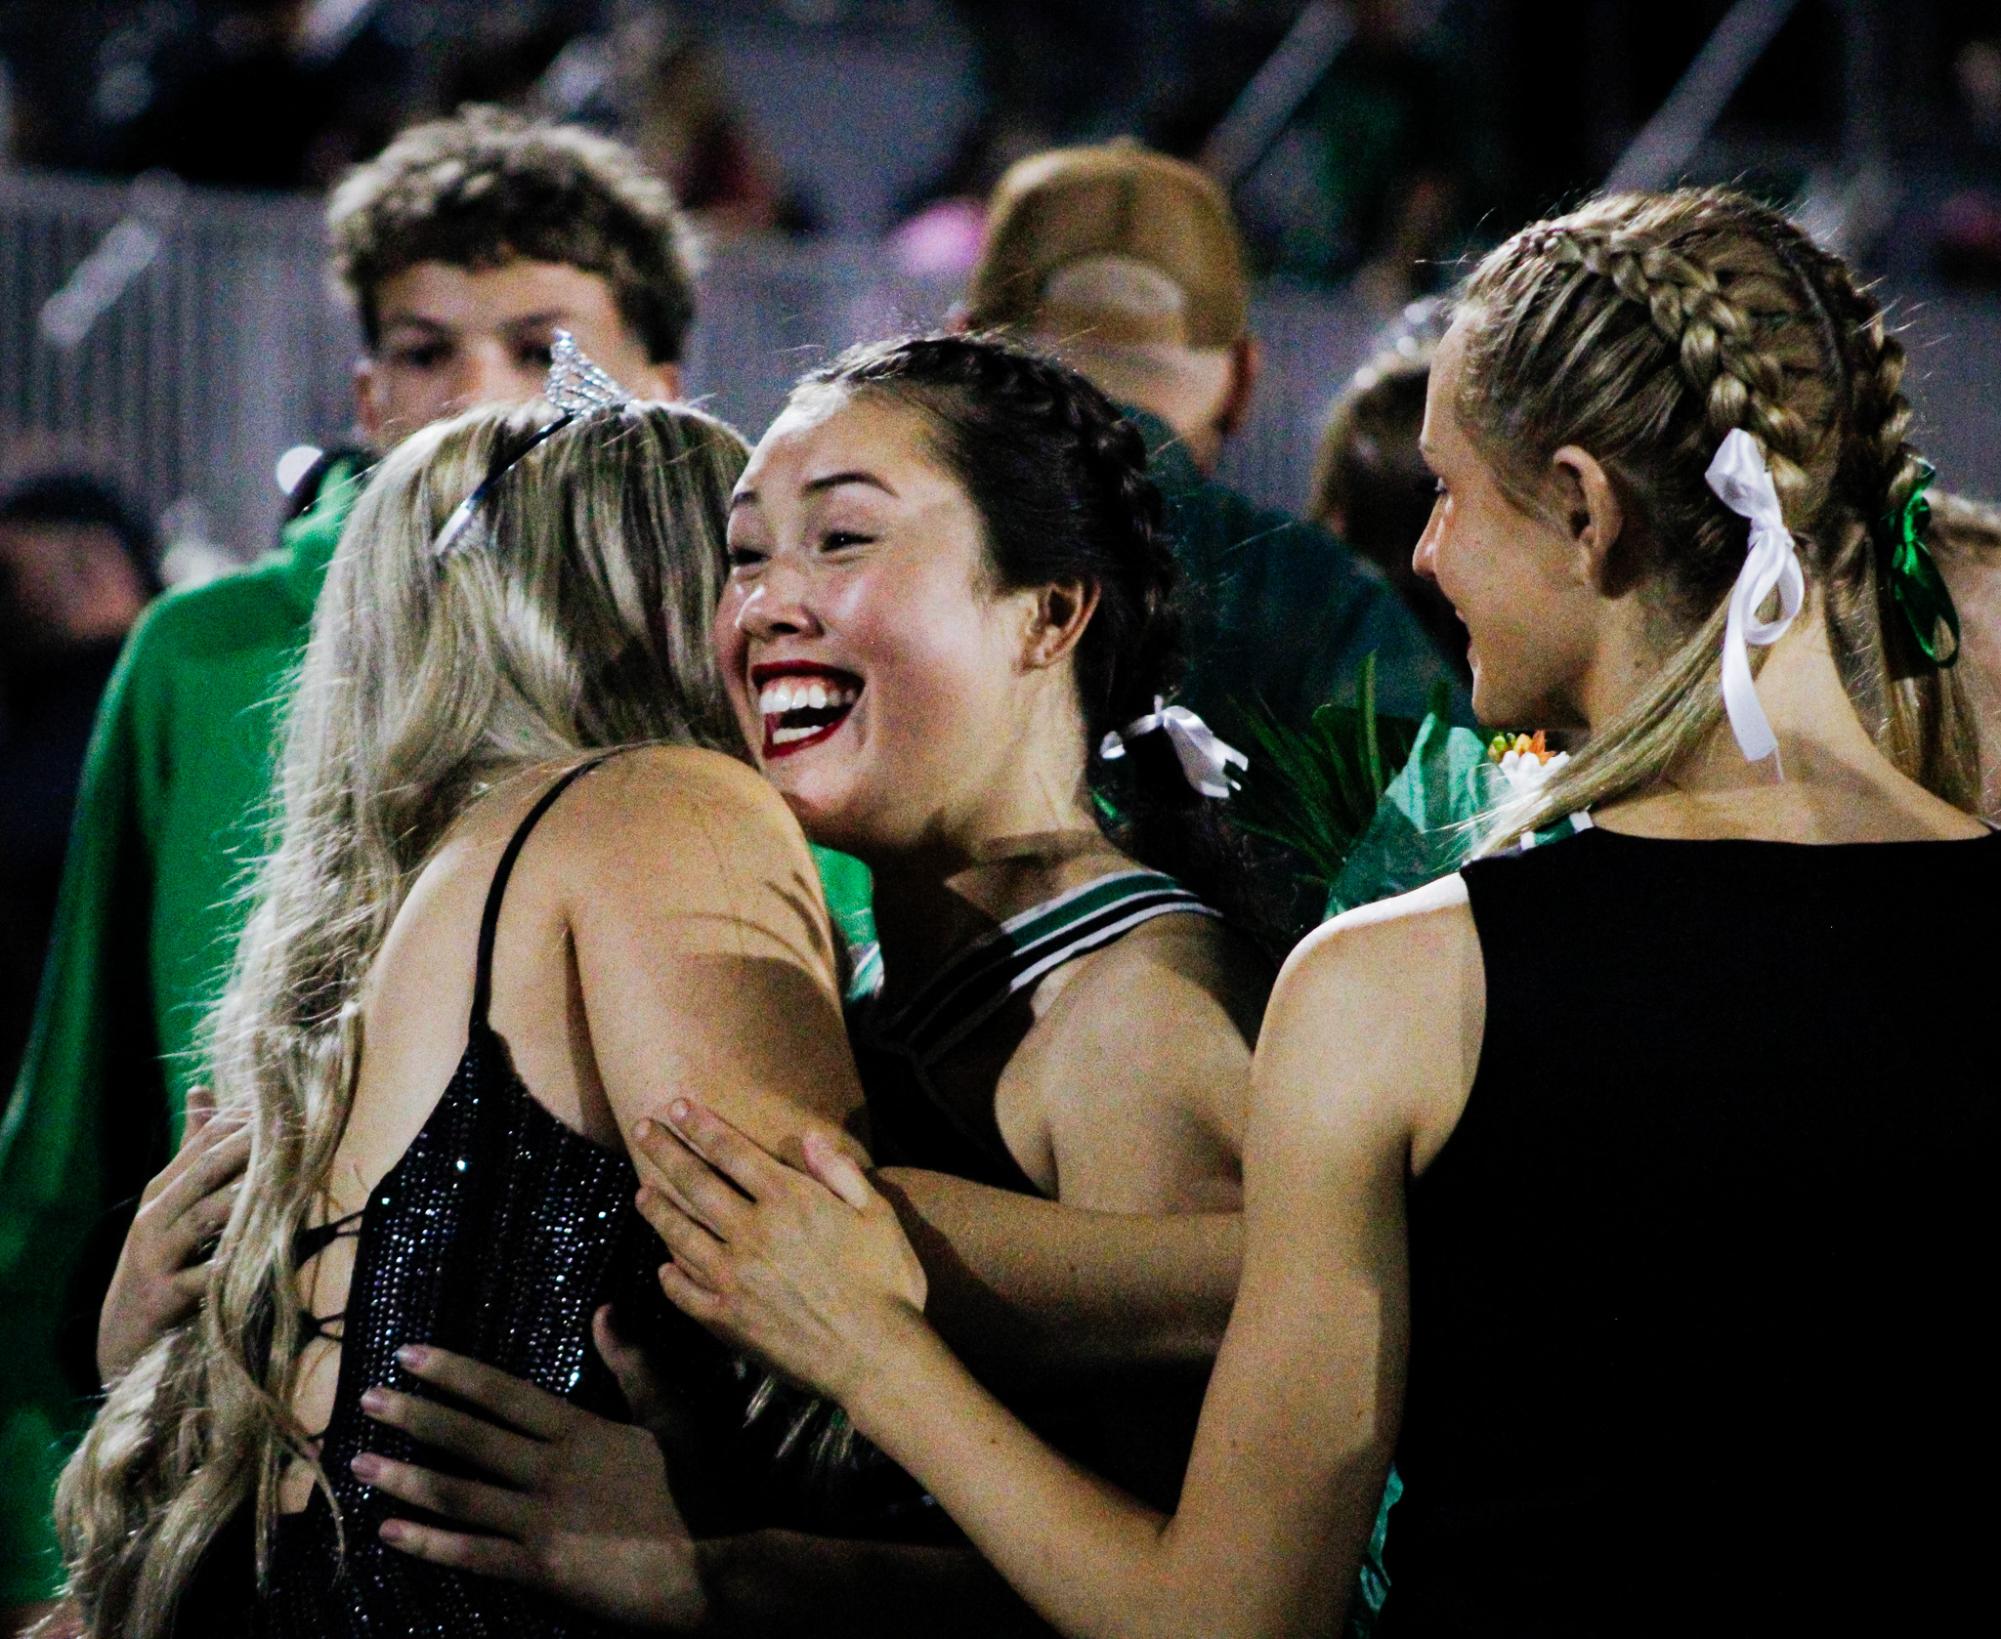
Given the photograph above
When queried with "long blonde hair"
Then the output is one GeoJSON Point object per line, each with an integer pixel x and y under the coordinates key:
{"type": "Point", "coordinates": [1643, 328]}
{"type": "Point", "coordinates": [575, 618]}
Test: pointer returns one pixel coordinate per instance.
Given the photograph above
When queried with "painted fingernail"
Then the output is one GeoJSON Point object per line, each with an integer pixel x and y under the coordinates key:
{"type": "Point", "coordinates": [413, 1355]}
{"type": "Point", "coordinates": [374, 1401]}
{"type": "Point", "coordinates": [392, 1530]}
{"type": "Point", "coordinates": [367, 1467]}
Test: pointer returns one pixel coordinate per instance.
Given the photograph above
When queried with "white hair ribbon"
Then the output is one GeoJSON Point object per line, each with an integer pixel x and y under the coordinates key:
{"type": "Point", "coordinates": [1743, 482]}
{"type": "Point", "coordinates": [1205, 760]}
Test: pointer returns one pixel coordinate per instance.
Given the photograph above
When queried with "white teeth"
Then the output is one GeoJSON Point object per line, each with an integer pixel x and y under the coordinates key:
{"type": "Point", "coordinates": [783, 694]}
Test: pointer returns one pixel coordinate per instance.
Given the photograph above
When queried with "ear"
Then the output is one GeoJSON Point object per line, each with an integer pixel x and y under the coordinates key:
{"type": "Point", "coordinates": [1056, 621]}
{"type": "Point", "coordinates": [1587, 508]}
{"type": "Point", "coordinates": [1247, 362]}
{"type": "Point", "coordinates": [370, 414]}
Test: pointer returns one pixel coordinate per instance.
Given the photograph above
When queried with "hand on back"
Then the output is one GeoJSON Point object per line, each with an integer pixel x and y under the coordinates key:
{"type": "Point", "coordinates": [567, 1502]}
{"type": "Point", "coordinates": [163, 1266]}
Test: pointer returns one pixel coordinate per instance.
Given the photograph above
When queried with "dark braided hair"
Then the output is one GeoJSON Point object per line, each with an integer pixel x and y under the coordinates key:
{"type": "Point", "coordinates": [1059, 479]}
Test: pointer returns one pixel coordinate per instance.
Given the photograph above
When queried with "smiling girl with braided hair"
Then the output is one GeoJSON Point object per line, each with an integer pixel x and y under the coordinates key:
{"type": "Point", "coordinates": [1632, 1188]}
{"type": "Point", "coordinates": [951, 636]}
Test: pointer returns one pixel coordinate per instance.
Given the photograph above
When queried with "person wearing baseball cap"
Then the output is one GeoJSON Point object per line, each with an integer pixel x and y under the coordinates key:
{"type": "Point", "coordinates": [1127, 264]}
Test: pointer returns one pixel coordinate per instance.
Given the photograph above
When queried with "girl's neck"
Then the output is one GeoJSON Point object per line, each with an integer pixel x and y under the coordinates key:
{"type": "Point", "coordinates": [1837, 786]}
{"type": "Point", "coordinates": [927, 908]}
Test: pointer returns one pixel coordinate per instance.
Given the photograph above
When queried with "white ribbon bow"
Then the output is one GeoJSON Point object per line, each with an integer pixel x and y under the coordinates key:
{"type": "Point", "coordinates": [1743, 482]}
{"type": "Point", "coordinates": [1205, 760]}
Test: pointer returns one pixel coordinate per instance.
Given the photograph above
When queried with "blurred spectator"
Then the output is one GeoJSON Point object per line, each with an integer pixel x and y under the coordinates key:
{"type": "Point", "coordinates": [243, 93]}
{"type": "Point", "coordinates": [1390, 155]}
{"type": "Point", "coordinates": [76, 568]}
{"type": "Point", "coordinates": [656, 82]}
{"type": "Point", "coordinates": [678, 116]}
{"type": "Point", "coordinates": [1969, 230]}
{"type": "Point", "coordinates": [1049, 72]}
{"type": "Point", "coordinates": [1372, 488]}
{"type": "Point", "coordinates": [1128, 265]}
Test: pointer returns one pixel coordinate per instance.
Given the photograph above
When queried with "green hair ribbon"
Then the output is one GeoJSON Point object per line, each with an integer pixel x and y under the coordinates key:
{"type": "Point", "coordinates": [1915, 583]}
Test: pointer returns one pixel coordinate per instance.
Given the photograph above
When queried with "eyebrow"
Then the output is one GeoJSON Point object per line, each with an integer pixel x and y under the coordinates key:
{"type": "Point", "coordinates": [815, 486]}
{"type": "Point", "coordinates": [834, 480]}
{"type": "Point", "coordinates": [420, 321]}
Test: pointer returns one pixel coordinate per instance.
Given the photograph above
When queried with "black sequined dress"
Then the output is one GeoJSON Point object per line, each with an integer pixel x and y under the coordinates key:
{"type": "Point", "coordinates": [496, 1234]}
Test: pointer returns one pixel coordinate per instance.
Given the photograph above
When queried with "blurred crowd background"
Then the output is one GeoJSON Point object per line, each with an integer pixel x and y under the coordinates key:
{"type": "Point", "coordinates": [172, 355]}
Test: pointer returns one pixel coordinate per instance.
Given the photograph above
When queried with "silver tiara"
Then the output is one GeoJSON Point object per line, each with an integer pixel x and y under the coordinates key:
{"type": "Point", "coordinates": [576, 385]}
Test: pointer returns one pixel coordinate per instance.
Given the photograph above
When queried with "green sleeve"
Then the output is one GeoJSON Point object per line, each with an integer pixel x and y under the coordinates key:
{"type": "Point", "coordinates": [62, 1165]}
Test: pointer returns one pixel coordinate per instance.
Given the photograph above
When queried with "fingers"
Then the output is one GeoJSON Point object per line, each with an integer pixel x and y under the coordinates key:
{"type": "Point", "coordinates": [695, 1250]}
{"type": "Point", "coordinates": [183, 1243]}
{"type": "Point", "coordinates": [469, 1502]}
{"type": "Point", "coordinates": [689, 1181]}
{"type": "Point", "coordinates": [837, 1171]}
{"type": "Point", "coordinates": [196, 1112]}
{"type": "Point", "coordinates": [511, 1399]}
{"type": "Point", "coordinates": [195, 1145]}
{"type": "Point", "coordinates": [724, 1148]}
{"type": "Point", "coordinates": [485, 1556]}
{"type": "Point", "coordinates": [698, 1303]}
{"type": "Point", "coordinates": [215, 1158]}
{"type": "Point", "coordinates": [637, 1380]}
{"type": "Point", "coordinates": [498, 1451]}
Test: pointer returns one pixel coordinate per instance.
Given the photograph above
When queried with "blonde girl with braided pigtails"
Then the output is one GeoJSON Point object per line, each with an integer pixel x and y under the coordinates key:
{"type": "Point", "coordinates": [1767, 333]}
{"type": "Point", "coordinates": [1633, 1190]}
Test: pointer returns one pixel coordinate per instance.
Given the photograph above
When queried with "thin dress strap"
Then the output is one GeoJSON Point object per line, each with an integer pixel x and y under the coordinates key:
{"type": "Point", "coordinates": [482, 989]}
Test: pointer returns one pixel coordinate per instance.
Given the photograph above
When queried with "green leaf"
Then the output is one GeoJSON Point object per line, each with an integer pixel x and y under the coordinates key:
{"type": "Point", "coordinates": [1317, 790]}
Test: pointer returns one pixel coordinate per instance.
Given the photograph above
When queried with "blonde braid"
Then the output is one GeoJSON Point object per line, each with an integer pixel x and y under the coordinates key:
{"type": "Point", "coordinates": [1922, 716]}
{"type": "Point", "coordinates": [1739, 384]}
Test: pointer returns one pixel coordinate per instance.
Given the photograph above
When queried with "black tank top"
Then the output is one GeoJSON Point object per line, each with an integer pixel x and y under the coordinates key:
{"type": "Point", "coordinates": [1700, 1285]}
{"type": "Point", "coordinates": [496, 1234]}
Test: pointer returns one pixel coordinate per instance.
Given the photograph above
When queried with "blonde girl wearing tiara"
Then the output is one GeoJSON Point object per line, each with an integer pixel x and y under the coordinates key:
{"type": "Point", "coordinates": [1634, 1191]}
{"type": "Point", "coordinates": [479, 939]}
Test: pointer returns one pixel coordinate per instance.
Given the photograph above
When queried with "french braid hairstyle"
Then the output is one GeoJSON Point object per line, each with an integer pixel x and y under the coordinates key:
{"type": "Point", "coordinates": [1059, 479]}
{"type": "Point", "coordinates": [1643, 328]}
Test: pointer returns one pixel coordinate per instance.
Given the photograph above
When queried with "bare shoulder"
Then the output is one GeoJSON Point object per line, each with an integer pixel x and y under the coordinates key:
{"type": "Point", "coordinates": [654, 786]}
{"type": "Point", "coordinates": [656, 803]}
{"type": "Point", "coordinates": [1384, 1006]}
{"type": "Point", "coordinates": [1171, 977]}
{"type": "Point", "coordinates": [688, 852]}
{"type": "Point", "coordinates": [1428, 924]}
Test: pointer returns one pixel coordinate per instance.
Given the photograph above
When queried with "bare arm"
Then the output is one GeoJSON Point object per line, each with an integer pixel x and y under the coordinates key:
{"type": "Point", "coordinates": [1029, 1288]}
{"type": "Point", "coordinates": [1138, 1074]}
{"type": "Point", "coordinates": [702, 944]}
{"type": "Point", "coordinates": [1302, 1411]}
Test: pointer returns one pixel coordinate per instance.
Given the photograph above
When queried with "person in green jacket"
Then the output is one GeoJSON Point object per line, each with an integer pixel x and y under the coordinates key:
{"type": "Point", "coordinates": [464, 246]}
{"type": "Point", "coordinates": [1127, 264]}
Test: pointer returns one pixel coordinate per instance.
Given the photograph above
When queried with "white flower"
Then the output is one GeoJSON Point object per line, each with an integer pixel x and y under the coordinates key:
{"type": "Point", "coordinates": [1525, 771]}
